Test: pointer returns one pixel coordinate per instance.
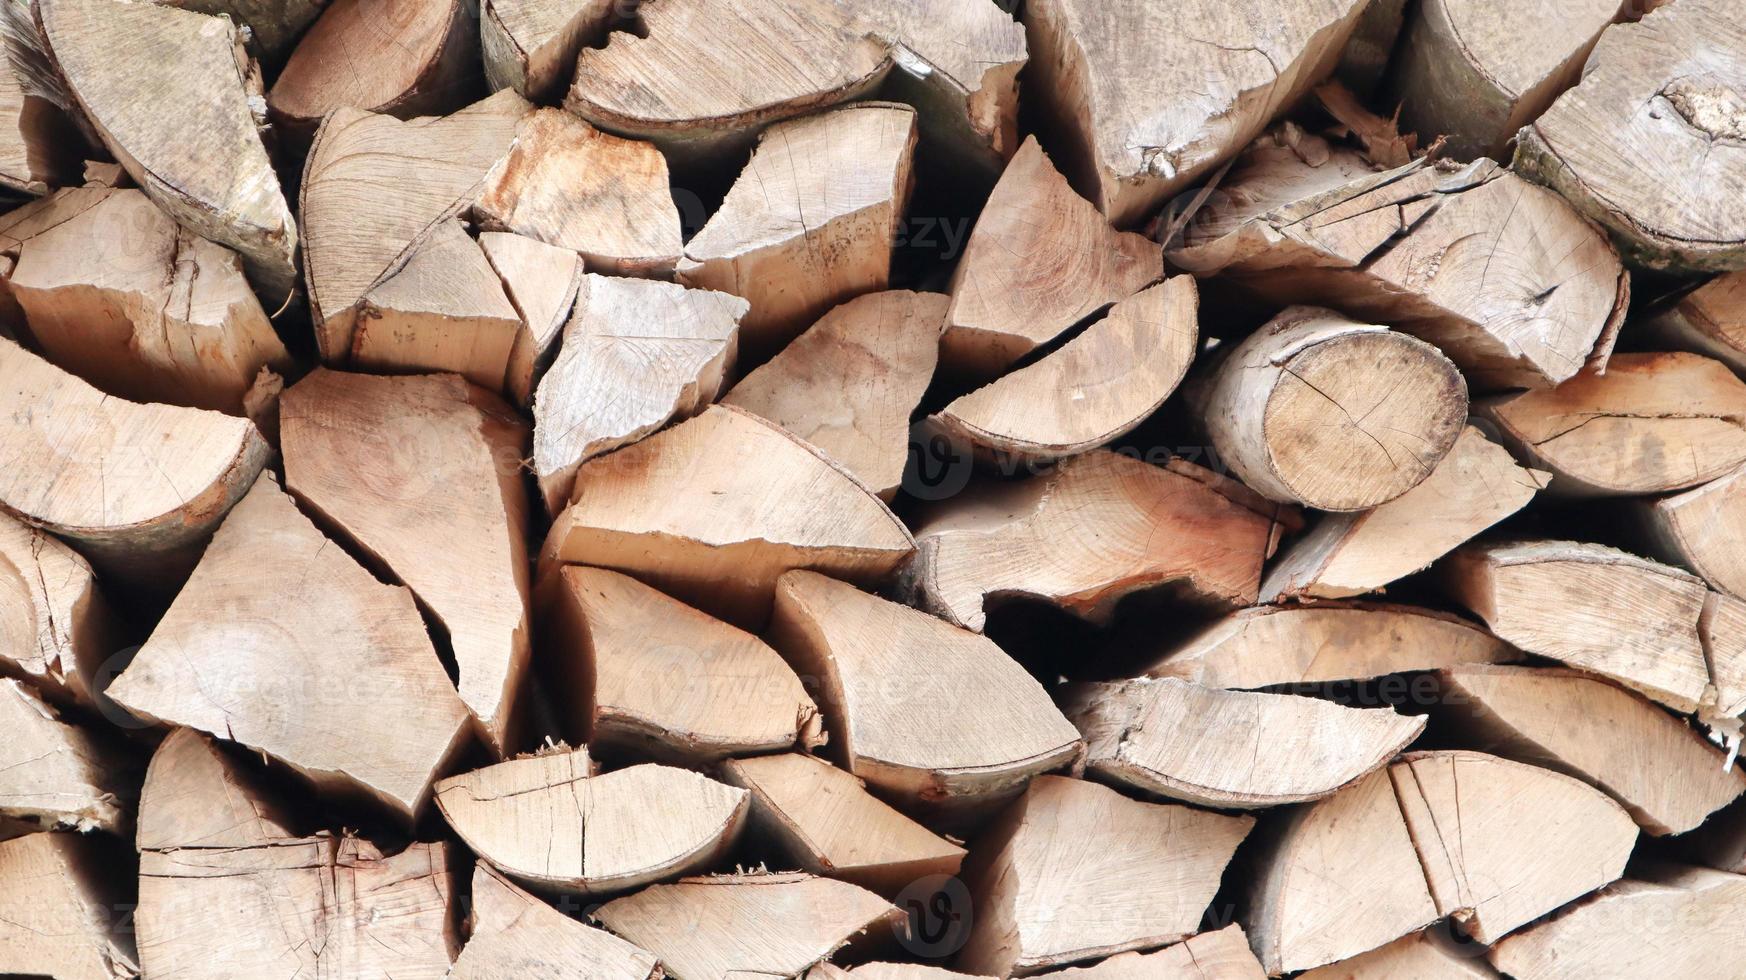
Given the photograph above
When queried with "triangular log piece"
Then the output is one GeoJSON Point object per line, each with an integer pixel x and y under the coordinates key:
{"type": "Point", "coordinates": [55, 775]}
{"type": "Point", "coordinates": [1222, 954]}
{"type": "Point", "coordinates": [849, 384]}
{"type": "Point", "coordinates": [198, 795]}
{"type": "Point", "coordinates": [56, 627]}
{"type": "Point", "coordinates": [62, 905]}
{"type": "Point", "coordinates": [1073, 871]}
{"type": "Point", "coordinates": [531, 46]}
{"type": "Point", "coordinates": [1334, 414]}
{"type": "Point", "coordinates": [1703, 529]}
{"type": "Point", "coordinates": [1722, 630]}
{"type": "Point", "coordinates": [515, 935]}
{"type": "Point", "coordinates": [824, 820]}
{"type": "Point", "coordinates": [541, 282]}
{"type": "Point", "coordinates": [716, 508]}
{"type": "Point", "coordinates": [935, 717]}
{"type": "Point", "coordinates": [1428, 955]}
{"type": "Point", "coordinates": [1709, 320]}
{"type": "Point", "coordinates": [280, 641]}
{"type": "Point", "coordinates": [275, 24]}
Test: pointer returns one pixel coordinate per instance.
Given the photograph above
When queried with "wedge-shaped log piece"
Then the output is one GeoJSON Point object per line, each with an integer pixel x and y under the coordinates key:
{"type": "Point", "coordinates": [1040, 259]}
{"type": "Point", "coordinates": [541, 281]}
{"type": "Point", "coordinates": [635, 355]}
{"type": "Point", "coordinates": [650, 677]}
{"type": "Point", "coordinates": [1223, 954]}
{"type": "Point", "coordinates": [41, 145]}
{"type": "Point", "coordinates": [280, 641]}
{"type": "Point", "coordinates": [824, 820]}
{"type": "Point", "coordinates": [1049, 874]}
{"type": "Point", "coordinates": [746, 925]}
{"type": "Point", "coordinates": [132, 66]}
{"type": "Point", "coordinates": [55, 775]}
{"type": "Point", "coordinates": [849, 384]}
{"type": "Point", "coordinates": [1428, 955]}
{"type": "Point", "coordinates": [56, 627]}
{"type": "Point", "coordinates": [716, 508]}
{"type": "Point", "coordinates": [1099, 385]}
{"type": "Point", "coordinates": [275, 24]}
{"type": "Point", "coordinates": [531, 46]}
{"type": "Point", "coordinates": [137, 487]}
{"type": "Point", "coordinates": [1722, 630]}
{"type": "Point", "coordinates": [543, 820]}
{"type": "Point", "coordinates": [58, 899]}
{"type": "Point", "coordinates": [515, 935]}
{"type": "Point", "coordinates": [1337, 415]}
{"type": "Point", "coordinates": [1651, 423]}
{"type": "Point", "coordinates": [1034, 538]}
{"type": "Point", "coordinates": [1709, 320]}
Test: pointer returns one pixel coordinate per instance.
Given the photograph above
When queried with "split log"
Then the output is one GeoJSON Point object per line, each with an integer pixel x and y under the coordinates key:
{"type": "Point", "coordinates": [123, 297]}
{"type": "Point", "coordinates": [635, 355]}
{"type": "Point", "coordinates": [1039, 260]}
{"type": "Point", "coordinates": [849, 384]}
{"type": "Point", "coordinates": [212, 176]}
{"type": "Point", "coordinates": [1722, 630]}
{"type": "Point", "coordinates": [1648, 145]}
{"type": "Point", "coordinates": [1475, 486]}
{"type": "Point", "coordinates": [824, 820]}
{"type": "Point", "coordinates": [97, 470]}
{"type": "Point", "coordinates": [745, 925]}
{"type": "Point", "coordinates": [381, 459]}
{"type": "Point", "coordinates": [566, 183]}
{"type": "Point", "coordinates": [1099, 67]}
{"type": "Point", "coordinates": [1003, 540]}
{"type": "Point", "coordinates": [532, 47]}
{"type": "Point", "coordinates": [891, 683]}
{"type": "Point", "coordinates": [541, 282]}
{"type": "Point", "coordinates": [1186, 742]}
{"type": "Point", "coordinates": [1317, 409]}
{"type": "Point", "coordinates": [810, 222]}
{"type": "Point", "coordinates": [55, 775]}
{"type": "Point", "coordinates": [56, 627]}
{"type": "Point", "coordinates": [1427, 955]}
{"type": "Point", "coordinates": [515, 935]}
{"type": "Point", "coordinates": [280, 641]}
{"type": "Point", "coordinates": [60, 898]}
{"type": "Point", "coordinates": [1650, 424]}
{"type": "Point", "coordinates": [647, 676]}
{"type": "Point", "coordinates": [1098, 386]}
{"type": "Point", "coordinates": [1222, 954]}
{"type": "Point", "coordinates": [275, 24]}
{"type": "Point", "coordinates": [1492, 869]}
{"type": "Point", "coordinates": [1047, 875]}
{"type": "Point", "coordinates": [1709, 320]}
{"type": "Point", "coordinates": [41, 145]}
{"type": "Point", "coordinates": [688, 510]}
{"type": "Point", "coordinates": [545, 821]}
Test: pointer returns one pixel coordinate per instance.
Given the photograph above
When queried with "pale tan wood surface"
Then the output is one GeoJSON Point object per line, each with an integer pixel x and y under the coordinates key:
{"type": "Point", "coordinates": [532, 46]}
{"type": "Point", "coordinates": [56, 910]}
{"type": "Point", "coordinates": [515, 935]}
{"type": "Point", "coordinates": [55, 775]}
{"type": "Point", "coordinates": [1709, 320]}
{"type": "Point", "coordinates": [541, 281]}
{"type": "Point", "coordinates": [1427, 955]}
{"type": "Point", "coordinates": [275, 24]}
{"type": "Point", "coordinates": [1222, 954]}
{"type": "Point", "coordinates": [56, 626]}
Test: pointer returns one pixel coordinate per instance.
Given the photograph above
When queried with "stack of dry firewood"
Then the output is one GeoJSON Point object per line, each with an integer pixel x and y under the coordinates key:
{"type": "Point", "coordinates": [872, 489]}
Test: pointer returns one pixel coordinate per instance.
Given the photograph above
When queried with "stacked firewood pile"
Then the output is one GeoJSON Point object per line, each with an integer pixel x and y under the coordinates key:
{"type": "Point", "coordinates": [884, 489]}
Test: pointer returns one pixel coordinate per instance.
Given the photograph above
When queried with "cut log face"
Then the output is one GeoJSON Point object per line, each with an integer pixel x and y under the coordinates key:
{"type": "Point", "coordinates": [824, 820]}
{"type": "Point", "coordinates": [516, 935]}
{"type": "Point", "coordinates": [1709, 320]}
{"type": "Point", "coordinates": [531, 46]}
{"type": "Point", "coordinates": [56, 628]}
{"type": "Point", "coordinates": [212, 175]}
{"type": "Point", "coordinates": [892, 682]}
{"type": "Point", "coordinates": [1317, 409]}
{"type": "Point", "coordinates": [635, 355]}
{"type": "Point", "coordinates": [1492, 870]}
{"type": "Point", "coordinates": [55, 775]}
{"type": "Point", "coordinates": [545, 821]}
{"type": "Point", "coordinates": [381, 458]}
{"type": "Point", "coordinates": [745, 925]}
{"type": "Point", "coordinates": [1098, 386]}
{"type": "Point", "coordinates": [1427, 955]}
{"type": "Point", "coordinates": [1002, 540]}
{"type": "Point", "coordinates": [849, 384]}
{"type": "Point", "coordinates": [1223, 954]}
{"type": "Point", "coordinates": [275, 24]}
{"type": "Point", "coordinates": [1074, 871]}
{"type": "Point", "coordinates": [41, 145]}
{"type": "Point", "coordinates": [1040, 259]}
{"type": "Point", "coordinates": [716, 508]}
{"type": "Point", "coordinates": [1650, 424]}
{"type": "Point", "coordinates": [199, 796]}
{"type": "Point", "coordinates": [1100, 66]}
{"type": "Point", "coordinates": [654, 678]}
{"type": "Point", "coordinates": [58, 909]}
{"type": "Point", "coordinates": [282, 642]}
{"type": "Point", "coordinates": [1595, 144]}
{"type": "Point", "coordinates": [541, 281]}
{"type": "Point", "coordinates": [810, 222]}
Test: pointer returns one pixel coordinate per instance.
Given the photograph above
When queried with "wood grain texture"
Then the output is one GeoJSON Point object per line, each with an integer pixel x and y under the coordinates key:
{"type": "Point", "coordinates": [532, 46]}
{"type": "Point", "coordinates": [55, 775]}
{"type": "Point", "coordinates": [55, 917]}
{"type": "Point", "coordinates": [1222, 954]}
{"type": "Point", "coordinates": [56, 626]}
{"type": "Point", "coordinates": [1710, 320]}
{"type": "Point", "coordinates": [1428, 955]}
{"type": "Point", "coordinates": [541, 282]}
{"type": "Point", "coordinates": [515, 935]}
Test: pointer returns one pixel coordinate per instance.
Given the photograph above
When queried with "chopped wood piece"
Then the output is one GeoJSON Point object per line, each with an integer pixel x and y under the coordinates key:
{"type": "Point", "coordinates": [1099, 68]}
{"type": "Point", "coordinates": [1722, 629]}
{"type": "Point", "coordinates": [98, 470]}
{"type": "Point", "coordinates": [1099, 385]}
{"type": "Point", "coordinates": [891, 682]}
{"type": "Point", "coordinates": [41, 145]}
{"type": "Point", "coordinates": [849, 384]}
{"type": "Point", "coordinates": [282, 642]}
{"type": "Point", "coordinates": [56, 628]}
{"type": "Point", "coordinates": [421, 473]}
{"type": "Point", "coordinates": [1651, 423]}
{"type": "Point", "coordinates": [541, 282]}
{"type": "Point", "coordinates": [810, 222]}
{"type": "Point", "coordinates": [650, 677]}
{"type": "Point", "coordinates": [1039, 260]}
{"type": "Point", "coordinates": [745, 925]}
{"type": "Point", "coordinates": [275, 24]}
{"type": "Point", "coordinates": [61, 909]}
{"type": "Point", "coordinates": [55, 775]}
{"type": "Point", "coordinates": [1428, 955]}
{"type": "Point", "coordinates": [1709, 320]}
{"type": "Point", "coordinates": [1219, 955]}
{"type": "Point", "coordinates": [1593, 607]}
{"type": "Point", "coordinates": [1338, 415]}
{"type": "Point", "coordinates": [546, 821]}
{"type": "Point", "coordinates": [1476, 485]}
{"type": "Point", "coordinates": [1649, 143]}
{"type": "Point", "coordinates": [716, 508]}
{"type": "Point", "coordinates": [568, 184]}
{"type": "Point", "coordinates": [1503, 843]}
{"type": "Point", "coordinates": [198, 795]}
{"type": "Point", "coordinates": [824, 820]}
{"type": "Point", "coordinates": [123, 297]}
{"type": "Point", "coordinates": [516, 935]}
{"type": "Point", "coordinates": [1052, 872]}
{"type": "Point", "coordinates": [211, 174]}
{"type": "Point", "coordinates": [1002, 540]}
{"type": "Point", "coordinates": [635, 355]}
{"type": "Point", "coordinates": [531, 46]}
